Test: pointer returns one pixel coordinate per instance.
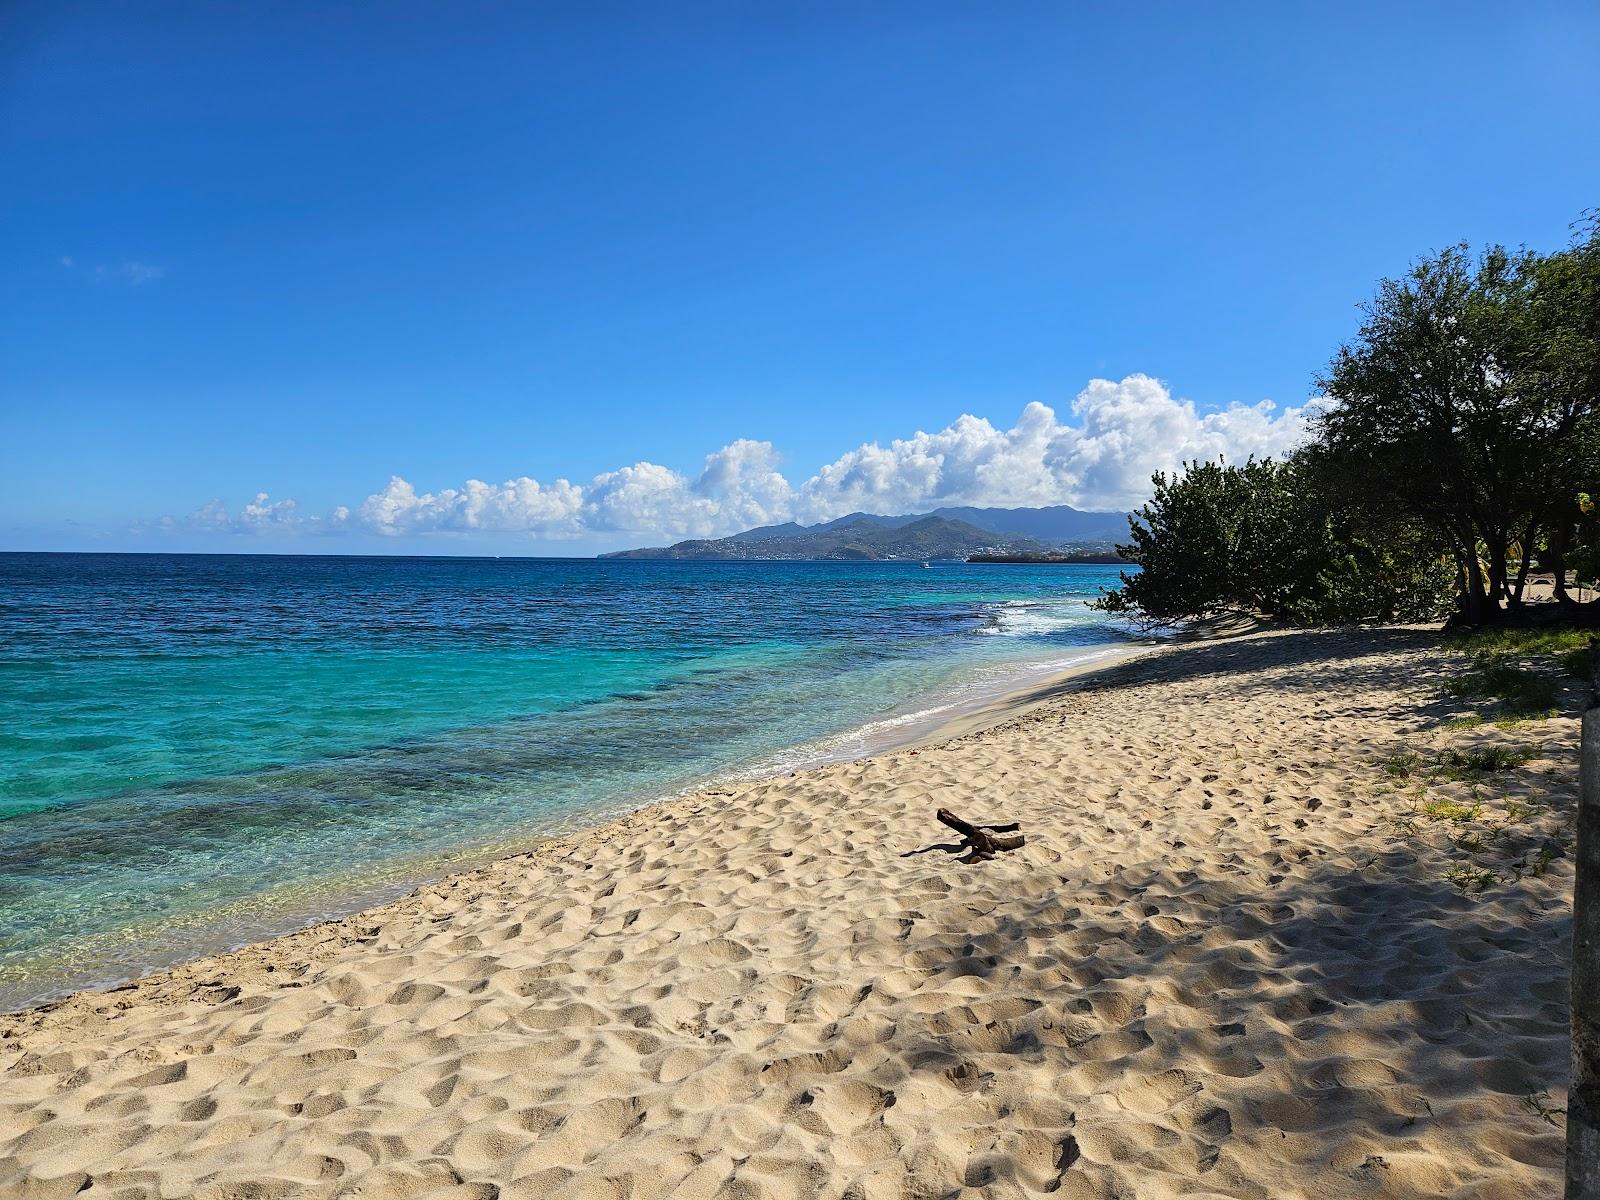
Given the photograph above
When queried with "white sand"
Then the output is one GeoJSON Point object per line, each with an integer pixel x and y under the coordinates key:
{"type": "Point", "coordinates": [1228, 962]}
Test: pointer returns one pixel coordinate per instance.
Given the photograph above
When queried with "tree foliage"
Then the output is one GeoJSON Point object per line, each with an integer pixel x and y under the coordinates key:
{"type": "Point", "coordinates": [1467, 400]}
{"type": "Point", "coordinates": [1265, 537]}
{"type": "Point", "coordinates": [1583, 544]}
{"type": "Point", "coordinates": [1456, 452]}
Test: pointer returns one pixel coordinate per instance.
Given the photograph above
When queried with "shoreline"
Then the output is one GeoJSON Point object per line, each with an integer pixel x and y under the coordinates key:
{"type": "Point", "coordinates": [1237, 955]}
{"type": "Point", "coordinates": [954, 719]}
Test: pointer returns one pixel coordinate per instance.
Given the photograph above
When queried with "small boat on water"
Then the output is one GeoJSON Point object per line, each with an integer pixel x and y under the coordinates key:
{"type": "Point", "coordinates": [927, 566]}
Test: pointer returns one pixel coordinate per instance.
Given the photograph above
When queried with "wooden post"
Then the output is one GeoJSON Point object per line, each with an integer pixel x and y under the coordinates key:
{"type": "Point", "coordinates": [1583, 1098]}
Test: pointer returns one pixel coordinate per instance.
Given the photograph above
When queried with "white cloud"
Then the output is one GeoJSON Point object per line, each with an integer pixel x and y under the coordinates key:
{"type": "Point", "coordinates": [262, 512]}
{"type": "Point", "coordinates": [258, 516]}
{"type": "Point", "coordinates": [1119, 434]}
{"type": "Point", "coordinates": [1124, 432]}
{"type": "Point", "coordinates": [738, 487]}
{"type": "Point", "coordinates": [1132, 429]}
{"type": "Point", "coordinates": [518, 505]}
{"type": "Point", "coordinates": [968, 462]}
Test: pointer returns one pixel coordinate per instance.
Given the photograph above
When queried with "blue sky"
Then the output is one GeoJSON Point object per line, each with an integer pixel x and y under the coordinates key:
{"type": "Point", "coordinates": [306, 249]}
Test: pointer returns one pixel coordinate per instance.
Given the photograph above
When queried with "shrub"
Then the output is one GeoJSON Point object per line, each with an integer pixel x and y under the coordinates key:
{"type": "Point", "coordinates": [1268, 538]}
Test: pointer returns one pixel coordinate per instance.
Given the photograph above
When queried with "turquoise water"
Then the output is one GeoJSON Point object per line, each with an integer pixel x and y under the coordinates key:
{"type": "Point", "coordinates": [197, 751]}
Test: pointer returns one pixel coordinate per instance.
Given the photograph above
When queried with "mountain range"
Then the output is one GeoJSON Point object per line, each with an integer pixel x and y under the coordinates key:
{"type": "Point", "coordinates": [945, 533]}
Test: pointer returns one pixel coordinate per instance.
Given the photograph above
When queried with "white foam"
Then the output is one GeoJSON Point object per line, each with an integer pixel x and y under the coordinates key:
{"type": "Point", "coordinates": [1024, 618]}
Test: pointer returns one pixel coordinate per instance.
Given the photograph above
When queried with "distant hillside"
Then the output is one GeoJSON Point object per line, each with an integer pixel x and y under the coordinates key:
{"type": "Point", "coordinates": [1057, 524]}
{"type": "Point", "coordinates": [861, 539]}
{"type": "Point", "coordinates": [866, 536]}
{"type": "Point", "coordinates": [1052, 557]}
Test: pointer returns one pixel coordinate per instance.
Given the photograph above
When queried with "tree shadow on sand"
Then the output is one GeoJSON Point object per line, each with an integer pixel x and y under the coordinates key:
{"type": "Point", "coordinates": [1364, 656]}
{"type": "Point", "coordinates": [1361, 1032]}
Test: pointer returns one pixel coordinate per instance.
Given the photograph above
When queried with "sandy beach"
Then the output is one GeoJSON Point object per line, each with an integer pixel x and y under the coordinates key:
{"type": "Point", "coordinates": [1249, 950]}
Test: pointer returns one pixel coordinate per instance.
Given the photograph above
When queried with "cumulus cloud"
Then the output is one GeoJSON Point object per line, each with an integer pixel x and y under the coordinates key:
{"type": "Point", "coordinates": [1132, 429]}
{"type": "Point", "coordinates": [258, 516]}
{"type": "Point", "coordinates": [740, 485]}
{"type": "Point", "coordinates": [1118, 434]}
{"type": "Point", "coordinates": [1123, 433]}
{"type": "Point", "coordinates": [518, 505]}
{"type": "Point", "coordinates": [263, 511]}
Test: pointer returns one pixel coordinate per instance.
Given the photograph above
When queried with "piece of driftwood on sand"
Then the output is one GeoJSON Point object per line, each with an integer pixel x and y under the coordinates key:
{"type": "Point", "coordinates": [982, 842]}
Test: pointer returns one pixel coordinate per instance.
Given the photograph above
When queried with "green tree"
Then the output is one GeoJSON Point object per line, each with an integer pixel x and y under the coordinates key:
{"type": "Point", "coordinates": [1467, 401]}
{"type": "Point", "coordinates": [1459, 447]}
{"type": "Point", "coordinates": [1268, 538]}
{"type": "Point", "coordinates": [1583, 545]}
{"type": "Point", "coordinates": [1565, 320]}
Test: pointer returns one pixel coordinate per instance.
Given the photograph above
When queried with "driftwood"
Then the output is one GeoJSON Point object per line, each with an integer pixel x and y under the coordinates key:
{"type": "Point", "coordinates": [982, 842]}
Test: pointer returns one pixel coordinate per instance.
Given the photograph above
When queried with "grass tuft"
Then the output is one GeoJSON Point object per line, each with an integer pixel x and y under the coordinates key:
{"type": "Point", "coordinates": [1450, 810]}
{"type": "Point", "coordinates": [1470, 879]}
{"type": "Point", "coordinates": [1541, 861]}
{"type": "Point", "coordinates": [1402, 765]}
{"type": "Point", "coordinates": [1538, 1103]}
{"type": "Point", "coordinates": [1481, 760]}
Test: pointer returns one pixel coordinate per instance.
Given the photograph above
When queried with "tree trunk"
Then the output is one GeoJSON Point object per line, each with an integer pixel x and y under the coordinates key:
{"type": "Point", "coordinates": [1555, 558]}
{"type": "Point", "coordinates": [1526, 564]}
{"type": "Point", "coordinates": [1496, 546]}
{"type": "Point", "coordinates": [1583, 1098]}
{"type": "Point", "coordinates": [1477, 606]}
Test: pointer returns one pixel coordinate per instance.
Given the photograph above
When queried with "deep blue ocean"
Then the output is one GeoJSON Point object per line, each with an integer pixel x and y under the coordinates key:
{"type": "Point", "coordinates": [201, 750]}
